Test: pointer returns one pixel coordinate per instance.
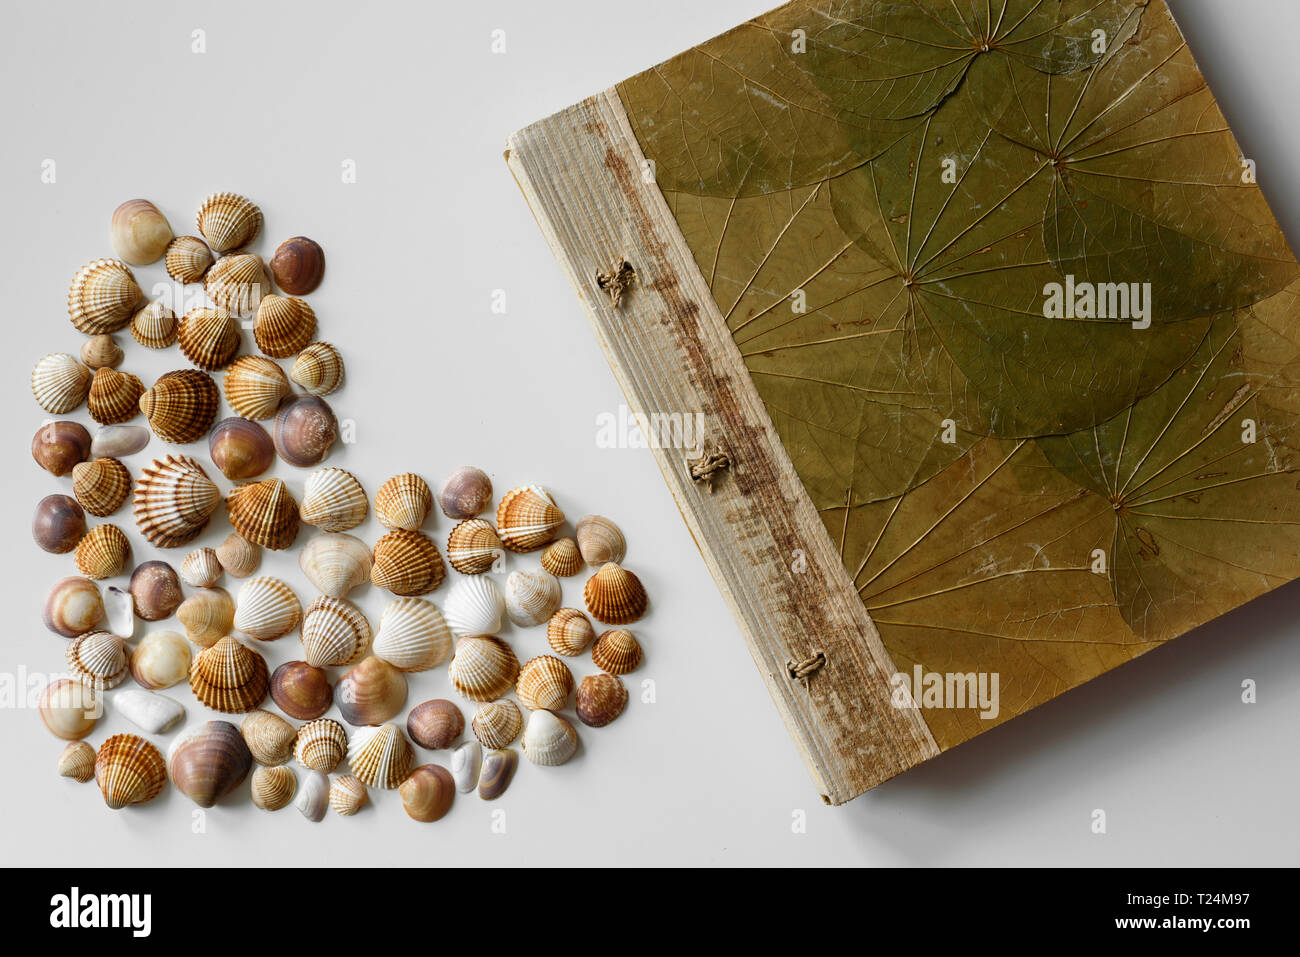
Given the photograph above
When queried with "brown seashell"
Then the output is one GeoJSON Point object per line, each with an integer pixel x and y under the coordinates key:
{"type": "Point", "coordinates": [544, 682]}
{"type": "Point", "coordinates": [348, 795]}
{"type": "Point", "coordinates": [403, 502]}
{"type": "Point", "coordinates": [73, 607]}
{"type": "Point", "coordinates": [129, 770]}
{"type": "Point", "coordinates": [569, 632]}
{"type": "Point", "coordinates": [187, 259]}
{"type": "Point", "coordinates": [201, 568]}
{"type": "Point", "coordinates": [321, 745]}
{"type": "Point", "coordinates": [229, 677]}
{"type": "Point", "coordinates": [269, 737]}
{"type": "Point", "coordinates": [616, 652]}
{"type": "Point", "coordinates": [304, 430]}
{"type": "Point", "coordinates": [238, 556]}
{"type": "Point", "coordinates": [101, 352]}
{"type": "Point", "coordinates": [181, 406]}
{"type": "Point", "coordinates": [407, 563]}
{"type": "Point", "coordinates": [228, 221]}
{"type": "Point", "coordinates": [273, 787]}
{"type": "Point", "coordinates": [484, 668]}
{"type": "Point", "coordinates": [333, 500]}
{"type": "Point", "coordinates": [60, 383]}
{"type": "Point", "coordinates": [114, 396]}
{"type": "Point", "coordinates": [59, 524]}
{"type": "Point", "coordinates": [335, 563]}
{"type": "Point", "coordinates": [238, 283]}
{"type": "Point", "coordinates": [301, 691]}
{"type": "Point", "coordinates": [465, 493]}
{"type": "Point", "coordinates": [264, 513]}
{"type": "Point", "coordinates": [497, 723]}
{"type": "Point", "coordinates": [561, 558]}
{"type": "Point", "coordinates": [498, 770]}
{"type": "Point", "coordinates": [298, 265]}
{"type": "Point", "coordinates": [154, 326]}
{"type": "Point", "coordinates": [210, 762]}
{"type": "Point", "coordinates": [334, 632]}
{"type": "Point", "coordinates": [381, 757]}
{"type": "Point", "coordinates": [267, 609]}
{"type": "Point", "coordinates": [428, 792]}
{"type": "Point", "coordinates": [208, 615]}
{"type": "Point", "coordinates": [255, 387]}
{"type": "Point", "coordinates": [371, 692]}
{"type": "Point", "coordinates": [241, 448]}
{"type": "Point", "coordinates": [284, 325]}
{"type": "Point", "coordinates": [102, 297]}
{"type": "Point", "coordinates": [98, 659]}
{"type": "Point", "coordinates": [77, 762]}
{"type": "Point", "coordinates": [614, 595]}
{"type": "Point", "coordinates": [601, 699]}
{"type": "Point", "coordinates": [435, 724]}
{"type": "Point", "coordinates": [69, 709]}
{"type": "Point", "coordinates": [208, 337]}
{"type": "Point", "coordinates": [318, 368]}
{"type": "Point", "coordinates": [528, 518]}
{"type": "Point", "coordinates": [101, 486]}
{"type": "Point", "coordinates": [174, 500]}
{"type": "Point", "coordinates": [103, 552]}
{"type": "Point", "coordinates": [58, 447]}
{"type": "Point", "coordinates": [156, 591]}
{"type": "Point", "coordinates": [473, 547]}
{"type": "Point", "coordinates": [600, 540]}
{"type": "Point", "coordinates": [159, 660]}
{"type": "Point", "coordinates": [139, 232]}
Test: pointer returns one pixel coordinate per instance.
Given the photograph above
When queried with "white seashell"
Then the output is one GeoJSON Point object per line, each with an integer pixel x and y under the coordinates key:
{"type": "Point", "coordinates": [118, 441]}
{"type": "Point", "coordinates": [334, 632]}
{"type": "Point", "coordinates": [466, 761]}
{"type": "Point", "coordinates": [119, 608]}
{"type": "Point", "coordinates": [155, 713]}
{"type": "Point", "coordinates": [335, 563]}
{"type": "Point", "coordinates": [413, 635]}
{"type": "Point", "coordinates": [532, 597]}
{"type": "Point", "coordinates": [201, 568]}
{"type": "Point", "coordinates": [549, 740]}
{"type": "Point", "coordinates": [266, 608]}
{"type": "Point", "coordinates": [60, 383]}
{"type": "Point", "coordinates": [313, 797]}
{"type": "Point", "coordinates": [474, 607]}
{"type": "Point", "coordinates": [333, 500]}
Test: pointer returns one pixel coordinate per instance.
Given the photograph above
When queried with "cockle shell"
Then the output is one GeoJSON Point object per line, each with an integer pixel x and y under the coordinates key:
{"type": "Point", "coordinates": [497, 723]}
{"type": "Point", "coordinates": [600, 540]}
{"type": "Point", "coordinates": [101, 486]}
{"type": "Point", "coordinates": [139, 232]}
{"type": "Point", "coordinates": [569, 632]}
{"type": "Point", "coordinates": [98, 659]}
{"type": "Point", "coordinates": [229, 677]}
{"type": "Point", "coordinates": [466, 761]}
{"type": "Point", "coordinates": [348, 795]}
{"type": "Point", "coordinates": [435, 724]}
{"type": "Point", "coordinates": [69, 708]}
{"type": "Point", "coordinates": [273, 787]}
{"type": "Point", "coordinates": [528, 518]}
{"type": "Point", "coordinates": [549, 740]}
{"type": "Point", "coordinates": [155, 590]}
{"type": "Point", "coordinates": [255, 386]}
{"type": "Point", "coordinates": [228, 221]}
{"type": "Point", "coordinates": [284, 325]}
{"type": "Point", "coordinates": [333, 500]}
{"type": "Point", "coordinates": [545, 682]}
{"type": "Point", "coordinates": [100, 352]}
{"type": "Point", "coordinates": [241, 448]}
{"type": "Point", "coordinates": [102, 297]}
{"type": "Point", "coordinates": [266, 608]}
{"type": "Point", "coordinates": [301, 690]}
{"type": "Point", "coordinates": [59, 447]}
{"type": "Point", "coordinates": [154, 326]}
{"type": "Point", "coordinates": [201, 568]}
{"type": "Point", "coordinates": [208, 337]}
{"type": "Point", "coordinates": [532, 597]}
{"type": "Point", "coordinates": [60, 383]}
{"type": "Point", "coordinates": [304, 430]}
{"type": "Point", "coordinates": [403, 502]}
{"type": "Point", "coordinates": [103, 552]}
{"type": "Point", "coordinates": [208, 616]}
{"type": "Point", "coordinates": [473, 547]}
{"type": "Point", "coordinates": [238, 283]}
{"type": "Point", "coordinates": [474, 607]}
{"type": "Point", "coordinates": [616, 652]}
{"type": "Point", "coordinates": [114, 396]}
{"type": "Point", "coordinates": [160, 660]}
{"type": "Point", "coordinates": [313, 797]}
{"type": "Point", "coordinates": [209, 762]}
{"type": "Point", "coordinates": [561, 558]}
{"type": "Point", "coordinates": [77, 761]}
{"type": "Point", "coordinates": [129, 770]}
{"type": "Point", "coordinates": [155, 713]}
{"type": "Point", "coordinates": [428, 792]}
{"type": "Point", "coordinates": [174, 499]}
{"type": "Point", "coordinates": [264, 513]}
{"type": "Point", "coordinates": [118, 441]}
{"type": "Point", "coordinates": [321, 745]}
{"type": "Point", "coordinates": [181, 406]}
{"type": "Point", "coordinates": [269, 737]}
{"type": "Point", "coordinates": [381, 757]}
{"type": "Point", "coordinates": [187, 259]}
{"type": "Point", "coordinates": [298, 265]}
{"type": "Point", "coordinates": [407, 563]}
{"type": "Point", "coordinates": [614, 595]}
{"type": "Point", "coordinates": [334, 632]}
{"type": "Point", "coordinates": [465, 493]}
{"type": "Point", "coordinates": [238, 556]}
{"type": "Point", "coordinates": [59, 524]}
{"type": "Point", "coordinates": [372, 692]}
{"type": "Point", "coordinates": [601, 699]}
{"type": "Point", "coordinates": [498, 769]}
{"type": "Point", "coordinates": [318, 368]}
{"type": "Point", "coordinates": [335, 562]}
{"type": "Point", "coordinates": [483, 669]}
{"type": "Point", "coordinates": [73, 607]}
{"type": "Point", "coordinates": [413, 635]}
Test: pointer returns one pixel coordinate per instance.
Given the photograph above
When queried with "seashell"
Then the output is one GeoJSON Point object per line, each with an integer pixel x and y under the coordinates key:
{"type": "Point", "coordinates": [187, 259]}
{"type": "Point", "coordinates": [77, 761]}
{"type": "Point", "coordinates": [498, 769]}
{"type": "Point", "coordinates": [264, 513]}
{"type": "Point", "coordinates": [155, 713]}
{"type": "Point", "coordinates": [254, 387]}
{"type": "Point", "coordinates": [371, 692]}
{"type": "Point", "coordinates": [119, 608]}
{"type": "Point", "coordinates": [549, 740]}
{"type": "Point", "coordinates": [321, 745]}
{"type": "Point", "coordinates": [267, 609]}
{"type": "Point", "coordinates": [474, 607]}
{"type": "Point", "coordinates": [238, 556]}
{"type": "Point", "coordinates": [532, 597]}
{"type": "Point", "coordinates": [139, 232]}
{"type": "Point", "coordinates": [600, 540]}
{"type": "Point", "coordinates": [283, 326]}
{"type": "Point", "coordinates": [102, 297]}
{"type": "Point", "coordinates": [561, 558]}
{"type": "Point", "coordinates": [114, 396]}
{"type": "Point", "coordinates": [101, 486]}
{"type": "Point", "coordinates": [228, 221]}
{"type": "Point", "coordinates": [98, 659]}
{"type": "Point", "coordinates": [497, 723]}
{"type": "Point", "coordinates": [298, 265]}
{"type": "Point", "coordinates": [118, 441]}
{"type": "Point", "coordinates": [160, 660]}
{"type": "Point", "coordinates": [273, 788]}
{"type": "Point", "coordinates": [208, 337]}
{"type": "Point", "coordinates": [601, 699]}
{"type": "Point", "coordinates": [545, 682]}
{"type": "Point", "coordinates": [473, 547]}
{"type": "Point", "coordinates": [333, 500]}
{"type": "Point", "coordinates": [435, 724]}
{"type": "Point", "coordinates": [154, 326]}
{"type": "Point", "coordinates": [173, 501]}
{"type": "Point", "coordinates": [465, 493]}
{"type": "Point", "coordinates": [403, 502]}
{"type": "Point", "coordinates": [238, 283]}
{"type": "Point", "coordinates": [381, 757]}
{"type": "Point", "coordinates": [269, 737]}
{"type": "Point", "coordinates": [313, 797]}
{"type": "Point", "coordinates": [155, 591]}
{"type": "Point", "coordinates": [60, 383]}
{"type": "Point", "coordinates": [484, 668]}
{"type": "Point", "coordinates": [240, 448]}
{"type": "Point", "coordinates": [407, 563]}
{"type": "Point", "coordinates": [348, 795]}
{"type": "Point", "coordinates": [59, 524]}
{"type": "Point", "coordinates": [412, 635]}
{"type": "Point", "coordinates": [209, 762]}
{"type": "Point", "coordinates": [335, 563]}
{"type": "Point", "coordinates": [208, 616]}
{"type": "Point", "coordinates": [301, 690]}
{"type": "Point", "coordinates": [334, 632]}
{"type": "Point", "coordinates": [466, 761]}
{"type": "Point", "coordinates": [101, 352]}
{"type": "Point", "coordinates": [569, 632]}
{"type": "Point", "coordinates": [181, 406]}
{"type": "Point", "coordinates": [616, 652]}
{"type": "Point", "coordinates": [201, 568]}
{"type": "Point", "coordinates": [229, 677]}
{"type": "Point", "coordinates": [528, 518]}
{"type": "Point", "coordinates": [73, 607]}
{"type": "Point", "coordinates": [428, 792]}
{"type": "Point", "coordinates": [69, 708]}
{"type": "Point", "coordinates": [304, 430]}
{"type": "Point", "coordinates": [129, 770]}
{"type": "Point", "coordinates": [59, 447]}
{"type": "Point", "coordinates": [103, 552]}
{"type": "Point", "coordinates": [614, 595]}
{"type": "Point", "coordinates": [318, 368]}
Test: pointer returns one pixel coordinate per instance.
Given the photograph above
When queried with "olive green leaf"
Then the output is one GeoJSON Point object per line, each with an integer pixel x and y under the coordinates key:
{"type": "Point", "coordinates": [1270, 349]}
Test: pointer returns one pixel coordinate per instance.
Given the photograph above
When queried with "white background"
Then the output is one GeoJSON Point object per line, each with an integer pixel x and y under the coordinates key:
{"type": "Point", "coordinates": [706, 775]}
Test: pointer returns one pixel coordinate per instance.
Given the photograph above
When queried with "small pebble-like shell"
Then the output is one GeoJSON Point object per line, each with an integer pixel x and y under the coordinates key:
{"type": "Point", "coordinates": [484, 668]}
{"type": "Point", "coordinates": [154, 326]}
{"type": "Point", "coordinates": [335, 563]}
{"type": "Point", "coordinates": [465, 493]}
{"type": "Point", "coordinates": [561, 558]}
{"type": "Point", "coordinates": [528, 518]}
{"type": "Point", "coordinates": [160, 659]}
{"type": "Point", "coordinates": [269, 737]}
{"type": "Point", "coordinates": [102, 297]}
{"type": "Point", "coordinates": [569, 632]}
{"type": "Point", "coordinates": [60, 383]}
{"type": "Point", "coordinates": [600, 540]}
{"type": "Point", "coordinates": [129, 770]}
{"type": "Point", "coordinates": [208, 616]}
{"type": "Point", "coordinates": [77, 761]}
{"type": "Point", "coordinates": [372, 692]}
{"type": "Point", "coordinates": [101, 486]}
{"type": "Point", "coordinates": [73, 607]}
{"type": "Point", "coordinates": [98, 659]}
{"type": "Point", "coordinates": [201, 568]}
{"type": "Point", "coordinates": [348, 795]}
{"type": "Point", "coordinates": [103, 552]}
{"type": "Point", "coordinates": [614, 595]}
{"type": "Point", "coordinates": [403, 502]}
{"type": "Point", "coordinates": [497, 723]}
{"type": "Point", "coordinates": [173, 501]}
{"type": "Point", "coordinates": [466, 761]}
{"type": "Point", "coordinates": [321, 745]}
{"type": "Point", "coordinates": [435, 724]}
{"type": "Point", "coordinates": [181, 406]}
{"type": "Point", "coordinates": [601, 699]}
{"type": "Point", "coordinates": [498, 769]}
{"type": "Point", "coordinates": [549, 740]}
{"type": "Point", "coordinates": [118, 441]}
{"type": "Point", "coordinates": [544, 682]}
{"type": "Point", "coordinates": [427, 793]}
{"type": "Point", "coordinates": [59, 524]}
{"type": "Point", "coordinates": [381, 757]}
{"type": "Point", "coordinates": [616, 652]}
{"type": "Point", "coordinates": [187, 259]}
{"type": "Point", "coordinates": [238, 283]}
{"type": "Point", "coordinates": [273, 787]}
{"type": "Point", "coordinates": [407, 563]}
{"type": "Point", "coordinates": [119, 608]}
{"type": "Point", "coordinates": [155, 590]}
{"type": "Point", "coordinates": [284, 325]}
{"type": "Point", "coordinates": [313, 797]}
{"type": "Point", "coordinates": [101, 352]}
{"type": "Point", "coordinates": [114, 396]}
{"type": "Point", "coordinates": [298, 265]}
{"type": "Point", "coordinates": [255, 386]}
{"type": "Point", "coordinates": [229, 677]}
{"type": "Point", "coordinates": [266, 608]}
{"type": "Point", "coordinates": [318, 368]}
{"type": "Point", "coordinates": [264, 513]}
{"type": "Point", "coordinates": [333, 500]}
{"type": "Point", "coordinates": [238, 556]}
{"type": "Point", "coordinates": [209, 762]}
{"type": "Point", "coordinates": [473, 547]}
{"type": "Point", "coordinates": [474, 607]}
{"type": "Point", "coordinates": [139, 232]}
{"type": "Point", "coordinates": [155, 713]}
{"type": "Point", "coordinates": [228, 221]}
{"type": "Point", "coordinates": [59, 447]}
{"type": "Point", "coordinates": [208, 337]}
{"type": "Point", "coordinates": [241, 448]}
{"type": "Point", "coordinates": [532, 597]}
{"type": "Point", "coordinates": [304, 430]}
{"type": "Point", "coordinates": [301, 690]}
{"type": "Point", "coordinates": [334, 632]}
{"type": "Point", "coordinates": [413, 635]}
{"type": "Point", "coordinates": [69, 708]}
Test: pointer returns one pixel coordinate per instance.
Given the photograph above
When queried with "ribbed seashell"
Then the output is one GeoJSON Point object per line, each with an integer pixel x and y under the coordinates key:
{"type": "Point", "coordinates": [484, 668]}
{"type": "Point", "coordinates": [266, 608]}
{"type": "Point", "coordinates": [187, 259]}
{"type": "Point", "coordinates": [335, 562]}
{"type": "Point", "coordinates": [269, 737]}
{"type": "Point", "coordinates": [155, 590]}
{"type": "Point", "coordinates": [181, 406]}
{"type": "Point", "coordinates": [301, 690]}
{"type": "Point", "coordinates": [435, 724]}
{"type": "Point", "coordinates": [118, 441]}
{"type": "Point", "coordinates": [403, 502]}
{"type": "Point", "coordinates": [473, 547]}
{"type": "Point", "coordinates": [298, 265]}
{"type": "Point", "coordinates": [139, 232]}
{"type": "Point", "coordinates": [160, 659]}
{"type": "Point", "coordinates": [348, 795]}
{"type": "Point", "coordinates": [407, 563]}
{"type": "Point", "coordinates": [314, 796]}
{"type": "Point", "coordinates": [532, 597]}
{"type": "Point", "coordinates": [77, 761]}
{"type": "Point", "coordinates": [255, 386]}
{"type": "Point", "coordinates": [569, 632]}
{"type": "Point", "coordinates": [601, 699]}
{"type": "Point", "coordinates": [208, 337]}
{"type": "Point", "coordinates": [229, 677]}
{"type": "Point", "coordinates": [103, 552]}
{"type": "Point", "coordinates": [228, 221]}
{"type": "Point", "coordinates": [101, 352]}
{"type": "Point", "coordinates": [273, 787]}
{"type": "Point", "coordinates": [544, 682]}
{"type": "Point", "coordinates": [114, 396]}
{"type": "Point", "coordinates": [304, 430]}
{"type": "Point", "coordinates": [465, 493]}
{"type": "Point", "coordinates": [600, 540]}
{"type": "Point", "coordinates": [561, 558]}
{"type": "Point", "coordinates": [372, 692]}
{"type": "Point", "coordinates": [321, 745]}
{"type": "Point", "coordinates": [98, 659]}
{"type": "Point", "coordinates": [549, 740]}
{"type": "Point", "coordinates": [154, 326]}
{"type": "Point", "coordinates": [73, 607]}
{"type": "Point", "coordinates": [474, 607]}
{"type": "Point", "coordinates": [284, 326]}
{"type": "Point", "coordinates": [318, 368]}
{"type": "Point", "coordinates": [69, 708]}
{"type": "Point", "coordinates": [60, 383]}
{"type": "Point", "coordinates": [155, 713]}
{"type": "Point", "coordinates": [497, 723]}
{"type": "Point", "coordinates": [427, 793]}
{"type": "Point", "coordinates": [119, 609]}
{"type": "Point", "coordinates": [381, 757]}
{"type": "Point", "coordinates": [59, 524]}
{"type": "Point", "coordinates": [616, 652]}
{"type": "Point", "coordinates": [129, 770]}
{"type": "Point", "coordinates": [498, 770]}
{"type": "Point", "coordinates": [208, 616]}
{"type": "Point", "coordinates": [333, 500]}
{"type": "Point", "coordinates": [614, 595]}
{"type": "Point", "coordinates": [334, 632]}
{"type": "Point", "coordinates": [102, 297]}
{"type": "Point", "coordinates": [238, 283]}
{"type": "Point", "coordinates": [238, 556]}
{"type": "Point", "coordinates": [209, 762]}
{"type": "Point", "coordinates": [201, 568]}
{"type": "Point", "coordinates": [240, 448]}
{"type": "Point", "coordinates": [413, 635]}
{"type": "Point", "coordinates": [59, 447]}
{"type": "Point", "coordinates": [528, 518]}
{"type": "Point", "coordinates": [174, 499]}
{"type": "Point", "coordinates": [101, 486]}
{"type": "Point", "coordinates": [264, 513]}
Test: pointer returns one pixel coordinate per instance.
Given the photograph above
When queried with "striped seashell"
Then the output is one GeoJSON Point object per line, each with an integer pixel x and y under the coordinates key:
{"type": "Point", "coordinates": [474, 607]}
{"type": "Point", "coordinates": [435, 724]}
{"type": "Point", "coordinates": [544, 682]}
{"type": "Point", "coordinates": [407, 563]}
{"type": "Point", "coordinates": [98, 659]}
{"type": "Point", "coordinates": [101, 485]}
{"type": "Point", "coordinates": [238, 283]}
{"type": "Point", "coordinates": [154, 326]}
{"type": "Point", "coordinates": [614, 595]}
{"type": "Point", "coordinates": [371, 693]}
{"type": "Point", "coordinates": [301, 690]}
{"type": "Point", "coordinates": [254, 387]}
{"type": "Point", "coordinates": [264, 513]}
{"type": "Point", "coordinates": [266, 609]}
{"type": "Point", "coordinates": [229, 677]}
{"type": "Point", "coordinates": [209, 762]}
{"type": "Point", "coordinates": [273, 788]}
{"type": "Point", "coordinates": [60, 383]}
{"type": "Point", "coordinates": [103, 552]}
{"type": "Point", "coordinates": [484, 668]}
{"type": "Point", "coordinates": [348, 795]}
{"type": "Point", "coordinates": [318, 368]}
{"type": "Point", "coordinates": [601, 699]}
{"type": "Point", "coordinates": [181, 406]}
{"type": "Point", "coordinates": [129, 770]}
{"type": "Point", "coordinates": [528, 518]}
{"type": "Point", "coordinates": [173, 501]}
{"type": "Point", "coordinates": [380, 757]}
{"type": "Point", "coordinates": [238, 556]}
{"type": "Point", "coordinates": [114, 396]}
{"type": "Point", "coordinates": [412, 635]}
{"type": "Point", "coordinates": [228, 221]}
{"type": "Point", "coordinates": [600, 540]}
{"type": "Point", "coordinates": [549, 740]}
{"type": "Point", "coordinates": [208, 616]}
{"type": "Point", "coordinates": [473, 547]}
{"type": "Point", "coordinates": [403, 502]}
{"type": "Point", "coordinates": [100, 351]}
{"type": "Point", "coordinates": [187, 259]}
{"type": "Point", "coordinates": [333, 500]}
{"type": "Point", "coordinates": [284, 326]}
{"type": "Point", "coordinates": [102, 297]}
{"type": "Point", "coordinates": [321, 745]}
{"type": "Point", "coordinates": [561, 558]}
{"type": "Point", "coordinates": [201, 568]}
{"type": "Point", "coordinates": [532, 597]}
{"type": "Point", "coordinates": [569, 632]}
{"type": "Point", "coordinates": [616, 652]}
{"type": "Point", "coordinates": [77, 761]}
{"type": "Point", "coordinates": [269, 737]}
{"type": "Point", "coordinates": [335, 563]}
{"type": "Point", "coordinates": [498, 769]}
{"type": "Point", "coordinates": [497, 723]}
{"type": "Point", "coordinates": [334, 632]}
{"type": "Point", "coordinates": [208, 337]}
{"type": "Point", "coordinates": [313, 797]}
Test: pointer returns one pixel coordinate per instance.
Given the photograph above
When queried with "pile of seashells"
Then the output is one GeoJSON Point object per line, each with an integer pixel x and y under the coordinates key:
{"type": "Point", "coordinates": [173, 500]}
